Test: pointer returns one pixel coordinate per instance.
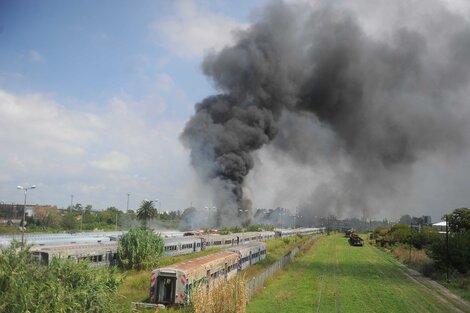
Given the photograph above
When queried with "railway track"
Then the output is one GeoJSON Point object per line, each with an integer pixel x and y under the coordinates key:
{"type": "Point", "coordinates": [337, 277]}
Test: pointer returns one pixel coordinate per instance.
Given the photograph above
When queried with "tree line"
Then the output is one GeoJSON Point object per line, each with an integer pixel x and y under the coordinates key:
{"type": "Point", "coordinates": [446, 250]}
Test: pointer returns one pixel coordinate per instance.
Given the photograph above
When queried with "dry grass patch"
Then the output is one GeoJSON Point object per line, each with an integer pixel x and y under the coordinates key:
{"type": "Point", "coordinates": [221, 297]}
{"type": "Point", "coordinates": [418, 259]}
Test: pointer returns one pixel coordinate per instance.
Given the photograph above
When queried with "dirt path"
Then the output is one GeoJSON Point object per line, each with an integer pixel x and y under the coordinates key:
{"type": "Point", "coordinates": [455, 303]}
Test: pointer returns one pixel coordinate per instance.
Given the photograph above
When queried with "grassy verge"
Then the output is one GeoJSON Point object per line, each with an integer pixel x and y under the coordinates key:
{"type": "Point", "coordinates": [418, 260]}
{"type": "Point", "coordinates": [276, 249]}
{"type": "Point", "coordinates": [335, 276]}
{"type": "Point", "coordinates": [458, 283]}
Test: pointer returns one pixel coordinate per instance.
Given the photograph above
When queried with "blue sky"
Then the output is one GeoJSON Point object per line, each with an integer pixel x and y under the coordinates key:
{"type": "Point", "coordinates": [96, 93]}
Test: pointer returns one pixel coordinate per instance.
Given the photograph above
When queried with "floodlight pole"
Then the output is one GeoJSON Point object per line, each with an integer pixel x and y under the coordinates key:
{"type": "Point", "coordinates": [25, 190]}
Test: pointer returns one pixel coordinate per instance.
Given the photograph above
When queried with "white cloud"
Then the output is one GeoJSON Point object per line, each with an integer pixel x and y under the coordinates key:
{"type": "Point", "coordinates": [98, 157]}
{"type": "Point", "coordinates": [35, 56]}
{"type": "Point", "coordinates": [113, 161]}
{"type": "Point", "coordinates": [194, 30]}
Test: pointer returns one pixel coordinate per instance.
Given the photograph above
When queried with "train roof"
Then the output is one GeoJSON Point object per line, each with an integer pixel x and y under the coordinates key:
{"type": "Point", "coordinates": [67, 247]}
{"type": "Point", "coordinates": [175, 240]}
{"type": "Point", "coordinates": [197, 268]}
{"type": "Point", "coordinates": [202, 261]}
{"type": "Point", "coordinates": [246, 248]}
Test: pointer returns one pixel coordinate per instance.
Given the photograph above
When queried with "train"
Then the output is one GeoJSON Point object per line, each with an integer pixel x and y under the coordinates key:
{"type": "Point", "coordinates": [105, 252]}
{"type": "Point", "coordinates": [172, 285]}
{"type": "Point", "coordinates": [298, 231]}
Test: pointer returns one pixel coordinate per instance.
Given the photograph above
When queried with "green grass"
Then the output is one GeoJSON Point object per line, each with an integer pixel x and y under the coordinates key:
{"type": "Point", "coordinates": [275, 249]}
{"type": "Point", "coordinates": [334, 276]}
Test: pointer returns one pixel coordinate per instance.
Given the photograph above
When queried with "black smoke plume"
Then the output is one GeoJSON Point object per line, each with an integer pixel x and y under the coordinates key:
{"type": "Point", "coordinates": [388, 101]}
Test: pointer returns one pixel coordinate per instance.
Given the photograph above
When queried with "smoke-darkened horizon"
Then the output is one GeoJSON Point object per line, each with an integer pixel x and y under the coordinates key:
{"type": "Point", "coordinates": [312, 83]}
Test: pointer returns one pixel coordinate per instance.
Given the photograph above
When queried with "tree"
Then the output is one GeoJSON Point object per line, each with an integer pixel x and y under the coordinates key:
{"type": "Point", "coordinates": [459, 220]}
{"type": "Point", "coordinates": [140, 249]}
{"type": "Point", "coordinates": [53, 220]}
{"type": "Point", "coordinates": [69, 221]}
{"type": "Point", "coordinates": [146, 211]}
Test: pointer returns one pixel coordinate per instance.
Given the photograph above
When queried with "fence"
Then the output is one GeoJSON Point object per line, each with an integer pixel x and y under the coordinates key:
{"type": "Point", "coordinates": [257, 283]}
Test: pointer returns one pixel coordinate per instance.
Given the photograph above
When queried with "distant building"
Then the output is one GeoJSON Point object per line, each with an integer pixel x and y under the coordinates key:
{"type": "Point", "coordinates": [427, 220]}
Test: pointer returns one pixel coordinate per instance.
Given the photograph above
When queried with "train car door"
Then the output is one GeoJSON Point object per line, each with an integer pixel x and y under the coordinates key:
{"type": "Point", "coordinates": [166, 289]}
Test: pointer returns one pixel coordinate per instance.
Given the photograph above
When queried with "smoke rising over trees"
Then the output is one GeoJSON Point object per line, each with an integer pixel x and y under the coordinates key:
{"type": "Point", "coordinates": [312, 82]}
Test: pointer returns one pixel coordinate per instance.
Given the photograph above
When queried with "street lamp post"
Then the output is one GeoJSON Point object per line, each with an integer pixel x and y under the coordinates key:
{"type": "Point", "coordinates": [25, 190]}
{"type": "Point", "coordinates": [159, 205]}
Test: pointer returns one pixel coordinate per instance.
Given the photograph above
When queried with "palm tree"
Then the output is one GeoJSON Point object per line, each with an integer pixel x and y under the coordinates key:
{"type": "Point", "coordinates": [146, 211]}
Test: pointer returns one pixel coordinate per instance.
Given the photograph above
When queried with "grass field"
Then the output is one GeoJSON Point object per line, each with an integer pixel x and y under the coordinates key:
{"type": "Point", "coordinates": [335, 277]}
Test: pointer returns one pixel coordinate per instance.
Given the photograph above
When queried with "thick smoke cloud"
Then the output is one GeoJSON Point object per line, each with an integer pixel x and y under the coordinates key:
{"type": "Point", "coordinates": [384, 103]}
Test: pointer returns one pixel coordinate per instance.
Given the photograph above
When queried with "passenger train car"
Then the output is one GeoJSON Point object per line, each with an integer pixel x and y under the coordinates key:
{"type": "Point", "coordinates": [99, 254]}
{"type": "Point", "coordinates": [172, 285]}
{"type": "Point", "coordinates": [298, 231]}
{"type": "Point", "coordinates": [105, 253]}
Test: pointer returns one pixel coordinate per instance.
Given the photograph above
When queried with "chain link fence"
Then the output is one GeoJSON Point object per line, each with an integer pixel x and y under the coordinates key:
{"type": "Point", "coordinates": [257, 283]}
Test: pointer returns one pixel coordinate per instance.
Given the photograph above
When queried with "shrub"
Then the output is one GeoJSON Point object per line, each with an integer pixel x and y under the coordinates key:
{"type": "Point", "coordinates": [64, 286]}
{"type": "Point", "coordinates": [459, 253]}
{"type": "Point", "coordinates": [140, 249]}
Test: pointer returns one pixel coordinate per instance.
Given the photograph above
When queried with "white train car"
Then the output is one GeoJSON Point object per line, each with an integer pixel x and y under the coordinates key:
{"type": "Point", "coordinates": [172, 285]}
{"type": "Point", "coordinates": [182, 245]}
{"type": "Point", "coordinates": [249, 254]}
{"type": "Point", "coordinates": [99, 254]}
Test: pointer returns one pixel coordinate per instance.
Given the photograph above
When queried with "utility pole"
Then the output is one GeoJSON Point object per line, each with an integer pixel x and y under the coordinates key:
{"type": "Point", "coordinates": [71, 203]}
{"type": "Point", "coordinates": [447, 249]}
{"type": "Point", "coordinates": [295, 217]}
{"type": "Point", "coordinates": [411, 230]}
{"type": "Point", "coordinates": [127, 207]}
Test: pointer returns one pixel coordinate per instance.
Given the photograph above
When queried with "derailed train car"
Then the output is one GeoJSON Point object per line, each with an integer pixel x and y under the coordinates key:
{"type": "Point", "coordinates": [172, 285]}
